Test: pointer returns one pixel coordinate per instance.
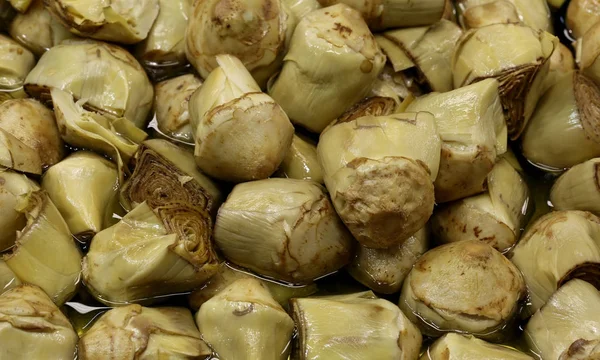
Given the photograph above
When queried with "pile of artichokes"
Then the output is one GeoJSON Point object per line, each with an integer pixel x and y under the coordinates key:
{"type": "Point", "coordinates": [300, 179]}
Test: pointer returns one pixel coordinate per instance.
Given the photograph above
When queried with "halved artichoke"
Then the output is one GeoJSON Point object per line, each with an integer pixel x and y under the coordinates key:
{"type": "Point", "coordinates": [353, 326]}
{"type": "Point", "coordinates": [136, 332]}
{"type": "Point", "coordinates": [241, 133]}
{"type": "Point", "coordinates": [150, 253]}
{"type": "Point", "coordinates": [473, 132]}
{"type": "Point", "coordinates": [121, 21]}
{"type": "Point", "coordinates": [349, 62]}
{"type": "Point", "coordinates": [243, 322]}
{"type": "Point", "coordinates": [578, 188]}
{"type": "Point", "coordinates": [15, 63]}
{"type": "Point", "coordinates": [517, 56]}
{"type": "Point", "coordinates": [300, 161]}
{"type": "Point", "coordinates": [380, 172]}
{"type": "Point", "coordinates": [105, 76]}
{"type": "Point", "coordinates": [565, 128]}
{"type": "Point", "coordinates": [285, 229]}
{"type": "Point", "coordinates": [465, 287]}
{"type": "Point", "coordinates": [467, 347]}
{"type": "Point", "coordinates": [32, 327]}
{"type": "Point", "coordinates": [558, 247]}
{"type": "Point", "coordinates": [567, 327]}
{"type": "Point", "coordinates": [13, 188]}
{"type": "Point", "coordinates": [581, 16]}
{"type": "Point", "coordinates": [8, 279]}
{"type": "Point", "coordinates": [532, 13]}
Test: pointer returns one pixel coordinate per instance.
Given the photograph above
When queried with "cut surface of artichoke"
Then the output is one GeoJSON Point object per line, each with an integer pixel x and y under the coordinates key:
{"type": "Point", "coordinates": [285, 229]}
{"type": "Point", "coordinates": [465, 287]}
{"type": "Point", "coordinates": [121, 21]}
{"type": "Point", "coordinates": [45, 254]}
{"type": "Point", "coordinates": [300, 161]}
{"type": "Point", "coordinates": [380, 172]}
{"type": "Point", "coordinates": [558, 247]}
{"type": "Point", "coordinates": [567, 327]}
{"type": "Point", "coordinates": [149, 253]}
{"type": "Point", "coordinates": [243, 321]}
{"type": "Point", "coordinates": [581, 16]}
{"type": "Point", "coordinates": [13, 188]}
{"type": "Point", "coordinates": [8, 279]}
{"type": "Point", "coordinates": [32, 327]}
{"type": "Point", "coordinates": [136, 332]}
{"type": "Point", "coordinates": [353, 326]}
{"type": "Point", "coordinates": [517, 56]}
{"type": "Point", "coordinates": [82, 186]}
{"type": "Point", "coordinates": [107, 77]}
{"type": "Point", "coordinates": [471, 125]}
{"type": "Point", "coordinates": [454, 346]}
{"type": "Point", "coordinates": [494, 217]}
{"type": "Point", "coordinates": [332, 63]}
{"type": "Point", "coordinates": [578, 188]}
{"type": "Point", "coordinates": [15, 63]}
{"type": "Point", "coordinates": [241, 133]}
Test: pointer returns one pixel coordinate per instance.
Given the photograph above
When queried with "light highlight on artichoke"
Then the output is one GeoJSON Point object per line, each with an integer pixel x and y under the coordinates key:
{"type": "Point", "coordinates": [581, 16]}
{"type": "Point", "coordinates": [14, 187]}
{"type": "Point", "coordinates": [532, 13]}
{"type": "Point", "coordinates": [466, 347]}
{"type": "Point", "coordinates": [8, 279]}
{"type": "Point", "coordinates": [300, 161]}
{"type": "Point", "coordinates": [578, 188]}
{"type": "Point", "coordinates": [20, 5]}
{"type": "Point", "coordinates": [15, 63]}
{"type": "Point", "coordinates": [301, 8]}
{"type": "Point", "coordinates": [588, 53]}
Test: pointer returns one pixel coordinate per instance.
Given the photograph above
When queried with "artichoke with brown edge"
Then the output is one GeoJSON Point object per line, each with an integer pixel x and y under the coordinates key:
{"type": "Point", "coordinates": [578, 188]}
{"type": "Point", "coordinates": [8, 279]}
{"type": "Point", "coordinates": [496, 12]}
{"type": "Point", "coordinates": [466, 287]}
{"type": "Point", "coordinates": [532, 13]}
{"type": "Point", "coordinates": [454, 346]}
{"type": "Point", "coordinates": [588, 53]}
{"type": "Point", "coordinates": [517, 56]}
{"type": "Point", "coordinates": [149, 253]}
{"type": "Point", "coordinates": [558, 247]}
{"type": "Point", "coordinates": [300, 161]}
{"type": "Point", "coordinates": [15, 63]}
{"type": "Point", "coordinates": [581, 16]}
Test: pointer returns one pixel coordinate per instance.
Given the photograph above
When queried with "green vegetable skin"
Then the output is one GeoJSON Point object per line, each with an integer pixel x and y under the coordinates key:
{"type": "Point", "coordinates": [299, 179]}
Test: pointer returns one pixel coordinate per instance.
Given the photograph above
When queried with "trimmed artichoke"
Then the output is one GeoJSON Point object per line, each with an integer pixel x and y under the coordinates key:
{"type": "Point", "coordinates": [136, 332]}
{"type": "Point", "coordinates": [348, 62]}
{"type": "Point", "coordinates": [105, 76]}
{"type": "Point", "coordinates": [32, 327]}
{"type": "Point", "coordinates": [565, 128]}
{"type": "Point", "coordinates": [495, 217]}
{"type": "Point", "coordinates": [37, 30]}
{"type": "Point", "coordinates": [354, 326]}
{"type": "Point", "coordinates": [588, 53]}
{"type": "Point", "coordinates": [165, 173]}
{"type": "Point", "coordinates": [255, 31]}
{"type": "Point", "coordinates": [581, 16]}
{"type": "Point", "coordinates": [121, 21]}
{"type": "Point", "coordinates": [285, 229]}
{"type": "Point", "coordinates": [558, 247]}
{"type": "Point", "coordinates": [495, 12]}
{"type": "Point", "coordinates": [384, 270]}
{"type": "Point", "coordinates": [473, 132]}
{"type": "Point", "coordinates": [561, 63]}
{"type": "Point", "coordinates": [15, 63]}
{"type": "Point", "coordinates": [13, 188]}
{"type": "Point", "coordinates": [300, 161]}
{"type": "Point", "coordinates": [82, 187]}
{"type": "Point", "coordinates": [171, 106]}
{"type": "Point", "coordinates": [301, 8]}
{"type": "Point", "coordinates": [578, 188]}
{"type": "Point", "coordinates": [517, 56]}
{"type": "Point", "coordinates": [8, 279]}
{"type": "Point", "coordinates": [241, 133]}
{"type": "Point", "coordinates": [568, 326]}
{"type": "Point", "coordinates": [45, 254]}
{"type": "Point", "coordinates": [466, 347]}
{"type": "Point", "coordinates": [429, 49]}
{"type": "Point", "coordinates": [532, 13]}
{"type": "Point", "coordinates": [243, 321]}
{"type": "Point", "coordinates": [169, 246]}
{"type": "Point", "coordinates": [465, 287]}
{"type": "Point", "coordinates": [380, 172]}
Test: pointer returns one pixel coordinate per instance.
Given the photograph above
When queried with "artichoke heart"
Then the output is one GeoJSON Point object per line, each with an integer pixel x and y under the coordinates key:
{"type": "Point", "coordinates": [561, 63]}
{"type": "Point", "coordinates": [137, 332]}
{"type": "Point", "coordinates": [517, 56]}
{"type": "Point", "coordinates": [559, 246]}
{"type": "Point", "coordinates": [13, 188]}
{"type": "Point", "coordinates": [15, 63]}
{"type": "Point", "coordinates": [121, 21]}
{"type": "Point", "coordinates": [243, 322]}
{"type": "Point", "coordinates": [300, 161]}
{"type": "Point", "coordinates": [533, 13]}
{"type": "Point", "coordinates": [588, 53]}
{"type": "Point", "coordinates": [285, 229]}
{"type": "Point", "coordinates": [165, 173]}
{"type": "Point", "coordinates": [353, 326]}
{"type": "Point", "coordinates": [384, 270]}
{"type": "Point", "coordinates": [332, 63]}
{"type": "Point", "coordinates": [473, 132]}
{"type": "Point", "coordinates": [495, 12]}
{"type": "Point", "coordinates": [106, 77]}
{"type": "Point", "coordinates": [465, 287]}
{"type": "Point", "coordinates": [171, 106]}
{"type": "Point", "coordinates": [494, 217]}
{"type": "Point", "coordinates": [82, 187]}
{"type": "Point", "coordinates": [380, 172]}
{"type": "Point", "coordinates": [241, 133]}
{"type": "Point", "coordinates": [37, 30]}
{"type": "Point", "coordinates": [255, 31]}
{"type": "Point", "coordinates": [565, 128]}
{"type": "Point", "coordinates": [149, 253]}
{"type": "Point", "coordinates": [428, 48]}
{"type": "Point", "coordinates": [581, 16]}
{"type": "Point", "coordinates": [301, 8]}
{"type": "Point", "coordinates": [32, 327]}
{"type": "Point", "coordinates": [578, 188]}
{"type": "Point", "coordinates": [567, 327]}
{"type": "Point", "coordinates": [8, 279]}
{"type": "Point", "coordinates": [454, 346]}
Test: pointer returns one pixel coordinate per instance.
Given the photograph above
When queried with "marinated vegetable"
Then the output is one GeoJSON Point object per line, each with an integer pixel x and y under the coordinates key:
{"type": "Point", "coordinates": [578, 188]}
{"type": "Point", "coordinates": [466, 347]}
{"type": "Point", "coordinates": [15, 63]}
